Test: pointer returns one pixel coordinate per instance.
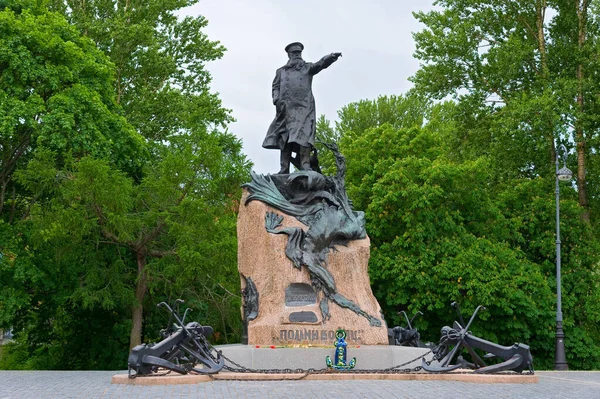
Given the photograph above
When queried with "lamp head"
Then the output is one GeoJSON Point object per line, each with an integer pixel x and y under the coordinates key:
{"type": "Point", "coordinates": [564, 174]}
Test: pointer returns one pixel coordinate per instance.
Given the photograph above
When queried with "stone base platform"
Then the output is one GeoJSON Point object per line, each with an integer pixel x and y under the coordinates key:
{"type": "Point", "coordinates": [367, 358]}
{"type": "Point", "coordinates": [417, 376]}
{"type": "Point", "coordinates": [175, 379]}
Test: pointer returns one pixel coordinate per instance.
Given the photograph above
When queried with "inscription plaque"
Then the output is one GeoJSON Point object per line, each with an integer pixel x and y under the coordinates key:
{"type": "Point", "coordinates": [300, 294]}
{"type": "Point", "coordinates": [303, 317]}
{"type": "Point", "coordinates": [317, 336]}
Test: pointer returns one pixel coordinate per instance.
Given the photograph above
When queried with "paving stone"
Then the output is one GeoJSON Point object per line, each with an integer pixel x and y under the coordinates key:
{"type": "Point", "coordinates": [97, 384]}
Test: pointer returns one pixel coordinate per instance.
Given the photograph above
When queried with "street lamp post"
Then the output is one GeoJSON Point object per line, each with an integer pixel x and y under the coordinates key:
{"type": "Point", "coordinates": [560, 360]}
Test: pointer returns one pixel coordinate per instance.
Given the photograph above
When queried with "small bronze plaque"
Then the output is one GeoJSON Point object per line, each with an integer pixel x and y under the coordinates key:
{"type": "Point", "coordinates": [303, 317]}
{"type": "Point", "coordinates": [300, 294]}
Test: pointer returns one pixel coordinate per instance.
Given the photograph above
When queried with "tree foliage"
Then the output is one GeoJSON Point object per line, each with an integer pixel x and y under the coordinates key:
{"type": "Point", "coordinates": [56, 98]}
{"type": "Point", "coordinates": [445, 227]}
{"type": "Point", "coordinates": [55, 93]}
{"type": "Point", "coordinates": [524, 75]}
{"type": "Point", "coordinates": [161, 79]}
{"type": "Point", "coordinates": [522, 79]}
{"type": "Point", "coordinates": [129, 195]}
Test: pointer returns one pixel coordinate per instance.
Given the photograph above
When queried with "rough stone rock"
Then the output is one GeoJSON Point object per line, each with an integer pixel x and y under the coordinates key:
{"type": "Point", "coordinates": [261, 256]}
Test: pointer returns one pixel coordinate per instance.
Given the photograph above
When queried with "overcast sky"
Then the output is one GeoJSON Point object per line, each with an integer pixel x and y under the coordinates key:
{"type": "Point", "coordinates": [374, 36]}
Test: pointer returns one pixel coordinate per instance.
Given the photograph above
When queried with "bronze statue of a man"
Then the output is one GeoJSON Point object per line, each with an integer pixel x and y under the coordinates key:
{"type": "Point", "coordinates": [294, 126]}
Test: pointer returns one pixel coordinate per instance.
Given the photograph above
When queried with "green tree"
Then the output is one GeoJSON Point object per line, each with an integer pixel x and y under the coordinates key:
{"type": "Point", "coordinates": [55, 92]}
{"type": "Point", "coordinates": [326, 134]}
{"type": "Point", "coordinates": [56, 106]}
{"type": "Point", "coordinates": [354, 119]}
{"type": "Point", "coordinates": [107, 235]}
{"type": "Point", "coordinates": [440, 232]}
{"type": "Point", "coordinates": [399, 111]}
{"type": "Point", "coordinates": [161, 79]}
{"type": "Point", "coordinates": [165, 235]}
{"type": "Point", "coordinates": [163, 86]}
{"type": "Point", "coordinates": [530, 211]}
{"type": "Point", "coordinates": [522, 73]}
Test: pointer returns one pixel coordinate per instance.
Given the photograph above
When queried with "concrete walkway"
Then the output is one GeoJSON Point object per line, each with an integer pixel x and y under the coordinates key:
{"type": "Point", "coordinates": [97, 384]}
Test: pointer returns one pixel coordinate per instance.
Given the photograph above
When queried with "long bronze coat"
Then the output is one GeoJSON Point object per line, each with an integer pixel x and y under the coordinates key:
{"type": "Point", "coordinates": [295, 119]}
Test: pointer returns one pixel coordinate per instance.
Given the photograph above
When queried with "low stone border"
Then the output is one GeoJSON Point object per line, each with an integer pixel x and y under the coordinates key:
{"type": "Point", "coordinates": [170, 379]}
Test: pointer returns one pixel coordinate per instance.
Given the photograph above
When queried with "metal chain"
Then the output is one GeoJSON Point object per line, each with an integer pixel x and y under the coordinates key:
{"type": "Point", "coordinates": [398, 369]}
{"type": "Point", "coordinates": [305, 372]}
{"type": "Point", "coordinates": [391, 370]}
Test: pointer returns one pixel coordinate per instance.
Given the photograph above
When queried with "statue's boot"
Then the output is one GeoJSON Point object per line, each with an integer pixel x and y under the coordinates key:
{"type": "Point", "coordinates": [284, 161]}
{"type": "Point", "coordinates": [304, 154]}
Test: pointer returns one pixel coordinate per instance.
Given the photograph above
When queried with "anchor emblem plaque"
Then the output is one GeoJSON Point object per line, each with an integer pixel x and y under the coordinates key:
{"type": "Point", "coordinates": [339, 359]}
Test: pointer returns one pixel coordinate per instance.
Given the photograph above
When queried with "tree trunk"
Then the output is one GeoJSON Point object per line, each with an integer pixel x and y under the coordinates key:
{"type": "Point", "coordinates": [137, 310]}
{"type": "Point", "coordinates": [13, 207]}
{"type": "Point", "coordinates": [3, 185]}
{"type": "Point", "coordinates": [579, 133]}
{"type": "Point", "coordinates": [583, 199]}
{"type": "Point", "coordinates": [541, 38]}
